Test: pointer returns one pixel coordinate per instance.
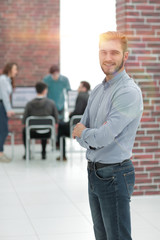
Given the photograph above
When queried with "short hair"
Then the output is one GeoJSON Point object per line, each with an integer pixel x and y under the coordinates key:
{"type": "Point", "coordinates": [40, 87]}
{"type": "Point", "coordinates": [112, 35]}
{"type": "Point", "coordinates": [53, 69]}
{"type": "Point", "coordinates": [86, 85]}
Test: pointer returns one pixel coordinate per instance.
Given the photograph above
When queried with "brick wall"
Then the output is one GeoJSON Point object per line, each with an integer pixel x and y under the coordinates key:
{"type": "Point", "coordinates": [140, 20]}
{"type": "Point", "coordinates": [29, 35]}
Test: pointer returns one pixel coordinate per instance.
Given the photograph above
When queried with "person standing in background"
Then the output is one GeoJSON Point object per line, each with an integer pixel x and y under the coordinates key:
{"type": "Point", "coordinates": [108, 130]}
{"type": "Point", "coordinates": [6, 85]}
{"type": "Point", "coordinates": [57, 83]}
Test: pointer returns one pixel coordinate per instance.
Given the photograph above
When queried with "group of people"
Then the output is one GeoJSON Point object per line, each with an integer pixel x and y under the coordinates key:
{"type": "Point", "coordinates": [48, 102]}
{"type": "Point", "coordinates": [107, 130]}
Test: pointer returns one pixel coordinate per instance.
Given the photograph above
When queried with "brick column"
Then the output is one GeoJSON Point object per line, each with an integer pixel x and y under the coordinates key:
{"type": "Point", "coordinates": [140, 21]}
{"type": "Point", "coordinates": [29, 36]}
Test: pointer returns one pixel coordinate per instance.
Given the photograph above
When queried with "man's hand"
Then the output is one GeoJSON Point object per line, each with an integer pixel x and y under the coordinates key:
{"type": "Point", "coordinates": [78, 129]}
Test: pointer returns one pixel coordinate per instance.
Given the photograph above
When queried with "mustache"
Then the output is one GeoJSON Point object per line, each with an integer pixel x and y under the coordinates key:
{"type": "Point", "coordinates": [108, 62]}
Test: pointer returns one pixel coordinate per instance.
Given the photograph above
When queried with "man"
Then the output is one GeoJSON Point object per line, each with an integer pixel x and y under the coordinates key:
{"type": "Point", "coordinates": [40, 106]}
{"type": "Point", "coordinates": [107, 130]}
{"type": "Point", "coordinates": [81, 103]}
{"type": "Point", "coordinates": [56, 85]}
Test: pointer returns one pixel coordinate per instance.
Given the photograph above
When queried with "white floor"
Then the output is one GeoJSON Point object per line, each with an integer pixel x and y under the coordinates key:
{"type": "Point", "coordinates": [47, 200]}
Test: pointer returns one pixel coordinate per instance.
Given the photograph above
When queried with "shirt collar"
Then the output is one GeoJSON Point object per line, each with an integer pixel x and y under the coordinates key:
{"type": "Point", "coordinates": [40, 97]}
{"type": "Point", "coordinates": [114, 79]}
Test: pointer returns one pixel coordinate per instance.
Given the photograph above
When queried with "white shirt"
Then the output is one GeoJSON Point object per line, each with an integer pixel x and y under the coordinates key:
{"type": "Point", "coordinates": [5, 91]}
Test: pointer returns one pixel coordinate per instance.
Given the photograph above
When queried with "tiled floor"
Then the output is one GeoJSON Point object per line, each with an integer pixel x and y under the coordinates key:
{"type": "Point", "coordinates": [47, 200]}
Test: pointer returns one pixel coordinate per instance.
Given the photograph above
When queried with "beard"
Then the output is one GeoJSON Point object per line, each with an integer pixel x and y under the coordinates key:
{"type": "Point", "coordinates": [114, 70]}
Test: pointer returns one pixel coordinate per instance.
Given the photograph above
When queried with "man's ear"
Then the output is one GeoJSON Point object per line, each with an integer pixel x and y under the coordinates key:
{"type": "Point", "coordinates": [125, 56]}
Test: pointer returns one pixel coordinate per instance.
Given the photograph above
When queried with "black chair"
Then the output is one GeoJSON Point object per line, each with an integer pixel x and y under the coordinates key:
{"type": "Point", "coordinates": [73, 121]}
{"type": "Point", "coordinates": [39, 123]}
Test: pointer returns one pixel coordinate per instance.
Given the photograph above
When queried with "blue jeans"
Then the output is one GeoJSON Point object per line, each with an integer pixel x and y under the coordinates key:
{"type": "Point", "coordinates": [3, 126]}
{"type": "Point", "coordinates": [110, 189]}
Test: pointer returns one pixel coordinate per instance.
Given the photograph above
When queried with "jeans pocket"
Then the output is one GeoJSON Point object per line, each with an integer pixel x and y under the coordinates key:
{"type": "Point", "coordinates": [130, 181]}
{"type": "Point", "coordinates": [104, 175]}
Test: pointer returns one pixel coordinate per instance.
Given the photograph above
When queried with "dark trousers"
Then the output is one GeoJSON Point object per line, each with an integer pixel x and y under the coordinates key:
{"type": "Point", "coordinates": [3, 126]}
{"type": "Point", "coordinates": [43, 137]}
{"type": "Point", "coordinates": [61, 115]}
{"type": "Point", "coordinates": [110, 189]}
{"type": "Point", "coordinates": [63, 130]}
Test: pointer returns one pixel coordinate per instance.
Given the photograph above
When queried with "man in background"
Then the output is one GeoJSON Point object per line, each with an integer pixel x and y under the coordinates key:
{"type": "Point", "coordinates": [57, 84]}
{"type": "Point", "coordinates": [40, 106]}
{"type": "Point", "coordinates": [81, 103]}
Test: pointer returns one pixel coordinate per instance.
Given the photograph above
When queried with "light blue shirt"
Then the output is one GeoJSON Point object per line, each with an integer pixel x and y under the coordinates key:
{"type": "Point", "coordinates": [5, 91]}
{"type": "Point", "coordinates": [112, 117]}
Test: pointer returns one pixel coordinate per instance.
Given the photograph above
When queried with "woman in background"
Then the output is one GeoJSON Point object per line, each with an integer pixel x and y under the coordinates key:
{"type": "Point", "coordinates": [6, 86]}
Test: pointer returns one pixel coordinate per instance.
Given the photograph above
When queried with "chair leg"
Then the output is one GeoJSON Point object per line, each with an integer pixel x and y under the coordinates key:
{"type": "Point", "coordinates": [27, 150]}
{"type": "Point", "coordinates": [33, 147]}
{"type": "Point", "coordinates": [61, 148]}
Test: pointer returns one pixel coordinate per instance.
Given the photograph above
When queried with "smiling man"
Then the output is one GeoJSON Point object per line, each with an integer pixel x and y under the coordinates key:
{"type": "Point", "coordinates": [107, 130]}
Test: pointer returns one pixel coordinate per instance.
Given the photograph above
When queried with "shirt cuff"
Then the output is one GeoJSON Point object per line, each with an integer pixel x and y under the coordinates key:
{"type": "Point", "coordinates": [83, 133]}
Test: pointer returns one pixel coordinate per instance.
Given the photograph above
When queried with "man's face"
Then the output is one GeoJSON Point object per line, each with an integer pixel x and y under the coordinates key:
{"type": "Point", "coordinates": [81, 88]}
{"type": "Point", "coordinates": [55, 75]}
{"type": "Point", "coordinates": [112, 57]}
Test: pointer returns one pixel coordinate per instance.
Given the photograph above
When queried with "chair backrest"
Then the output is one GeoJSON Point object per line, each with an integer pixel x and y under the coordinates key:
{"type": "Point", "coordinates": [73, 121]}
{"type": "Point", "coordinates": [40, 122]}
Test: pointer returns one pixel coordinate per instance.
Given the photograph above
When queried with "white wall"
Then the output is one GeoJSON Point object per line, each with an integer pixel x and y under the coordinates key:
{"type": "Point", "coordinates": [81, 23]}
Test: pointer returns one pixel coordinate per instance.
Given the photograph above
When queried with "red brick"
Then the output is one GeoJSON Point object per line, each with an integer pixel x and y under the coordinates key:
{"type": "Point", "coordinates": [143, 180]}
{"type": "Point", "coordinates": [147, 58]}
{"type": "Point", "coordinates": [154, 132]}
{"type": "Point", "coordinates": [152, 192]}
{"type": "Point", "coordinates": [156, 137]}
{"type": "Point", "coordinates": [155, 174]}
{"type": "Point", "coordinates": [148, 187]}
{"type": "Point", "coordinates": [136, 150]}
{"type": "Point", "coordinates": [157, 101]}
{"type": "Point", "coordinates": [157, 180]}
{"type": "Point", "coordinates": [144, 156]}
{"type": "Point", "coordinates": [153, 169]}
{"type": "Point", "coordinates": [139, 169]}
{"type": "Point", "coordinates": [149, 144]}
{"type": "Point", "coordinates": [129, 19]}
{"type": "Point", "coordinates": [132, 13]}
{"type": "Point", "coordinates": [148, 119]}
{"type": "Point", "coordinates": [154, 150]}
{"type": "Point", "coordinates": [138, 193]}
{"type": "Point", "coordinates": [141, 175]}
{"type": "Point", "coordinates": [154, 1]}
{"type": "Point", "coordinates": [145, 7]}
{"type": "Point", "coordinates": [149, 162]}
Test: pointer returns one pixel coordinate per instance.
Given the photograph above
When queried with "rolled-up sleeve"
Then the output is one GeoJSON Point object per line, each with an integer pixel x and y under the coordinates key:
{"type": "Point", "coordinates": [126, 106]}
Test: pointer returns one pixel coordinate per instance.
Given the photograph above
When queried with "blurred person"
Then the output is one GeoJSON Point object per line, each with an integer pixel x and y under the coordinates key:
{"type": "Point", "coordinates": [57, 83]}
{"type": "Point", "coordinates": [81, 103]}
{"type": "Point", "coordinates": [40, 106]}
{"type": "Point", "coordinates": [107, 130]}
{"type": "Point", "coordinates": [6, 87]}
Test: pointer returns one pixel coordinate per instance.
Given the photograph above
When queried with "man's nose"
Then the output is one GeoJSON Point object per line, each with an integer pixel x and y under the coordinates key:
{"type": "Point", "coordinates": [108, 57]}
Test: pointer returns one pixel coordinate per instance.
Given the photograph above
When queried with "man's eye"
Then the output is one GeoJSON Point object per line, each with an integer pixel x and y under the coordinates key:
{"type": "Point", "coordinates": [102, 52]}
{"type": "Point", "coordinates": [114, 53]}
